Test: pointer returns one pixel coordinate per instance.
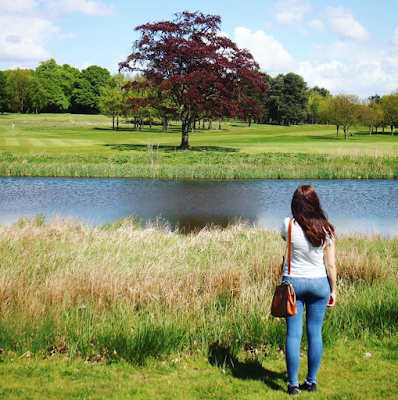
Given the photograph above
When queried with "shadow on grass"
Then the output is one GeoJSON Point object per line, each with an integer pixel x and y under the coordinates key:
{"type": "Point", "coordinates": [146, 129]}
{"type": "Point", "coordinates": [124, 129]}
{"type": "Point", "coordinates": [168, 149]}
{"type": "Point", "coordinates": [326, 137]}
{"type": "Point", "coordinates": [220, 356]}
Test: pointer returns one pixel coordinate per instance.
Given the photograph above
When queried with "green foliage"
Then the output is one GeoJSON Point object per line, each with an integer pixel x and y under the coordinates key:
{"type": "Point", "coordinates": [20, 81]}
{"type": "Point", "coordinates": [389, 105]}
{"type": "Point", "coordinates": [5, 92]}
{"type": "Point", "coordinates": [287, 99]}
{"type": "Point", "coordinates": [87, 89]}
{"type": "Point", "coordinates": [57, 82]}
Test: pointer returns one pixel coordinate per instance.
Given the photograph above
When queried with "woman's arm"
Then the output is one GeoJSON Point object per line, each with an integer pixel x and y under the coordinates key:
{"type": "Point", "coordinates": [329, 256]}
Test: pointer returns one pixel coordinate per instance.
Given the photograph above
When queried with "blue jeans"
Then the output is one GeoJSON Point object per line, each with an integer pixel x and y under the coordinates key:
{"type": "Point", "coordinates": [314, 293]}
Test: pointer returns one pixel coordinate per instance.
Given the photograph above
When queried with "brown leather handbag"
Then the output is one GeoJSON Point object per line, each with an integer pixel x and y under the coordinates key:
{"type": "Point", "coordinates": [284, 300]}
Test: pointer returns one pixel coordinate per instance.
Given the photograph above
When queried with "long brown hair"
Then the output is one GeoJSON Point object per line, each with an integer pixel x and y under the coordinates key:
{"type": "Point", "coordinates": [307, 211]}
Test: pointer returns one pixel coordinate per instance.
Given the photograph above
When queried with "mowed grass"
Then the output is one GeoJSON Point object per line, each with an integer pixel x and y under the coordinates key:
{"type": "Point", "coordinates": [343, 371]}
{"type": "Point", "coordinates": [92, 134]}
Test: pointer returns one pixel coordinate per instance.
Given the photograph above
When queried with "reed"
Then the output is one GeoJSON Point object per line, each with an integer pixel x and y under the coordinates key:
{"type": "Point", "coordinates": [202, 165]}
{"type": "Point", "coordinates": [120, 291]}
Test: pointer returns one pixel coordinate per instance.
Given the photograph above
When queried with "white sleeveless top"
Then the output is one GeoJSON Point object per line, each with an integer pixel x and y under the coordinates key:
{"type": "Point", "coordinates": [307, 260]}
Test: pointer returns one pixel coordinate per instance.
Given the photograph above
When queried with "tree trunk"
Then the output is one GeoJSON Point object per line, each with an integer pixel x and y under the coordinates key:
{"type": "Point", "coordinates": [165, 124]}
{"type": "Point", "coordinates": [370, 130]}
{"type": "Point", "coordinates": [219, 124]}
{"type": "Point", "coordinates": [392, 130]}
{"type": "Point", "coordinates": [117, 122]}
{"type": "Point", "coordinates": [345, 132]}
{"type": "Point", "coordinates": [250, 120]}
{"type": "Point", "coordinates": [113, 122]}
{"type": "Point", "coordinates": [337, 126]}
{"type": "Point", "coordinates": [185, 135]}
{"type": "Point", "coordinates": [210, 124]}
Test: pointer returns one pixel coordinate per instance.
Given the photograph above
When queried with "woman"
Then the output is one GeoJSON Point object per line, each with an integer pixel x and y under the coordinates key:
{"type": "Point", "coordinates": [313, 276]}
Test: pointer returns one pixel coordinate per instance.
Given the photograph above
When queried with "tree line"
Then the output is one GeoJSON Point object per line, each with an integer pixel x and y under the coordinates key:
{"type": "Point", "coordinates": [184, 70]}
{"type": "Point", "coordinates": [52, 88]}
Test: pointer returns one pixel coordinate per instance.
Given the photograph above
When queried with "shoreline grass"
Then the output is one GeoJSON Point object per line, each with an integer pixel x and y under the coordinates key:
{"type": "Point", "coordinates": [200, 165]}
{"type": "Point", "coordinates": [121, 292]}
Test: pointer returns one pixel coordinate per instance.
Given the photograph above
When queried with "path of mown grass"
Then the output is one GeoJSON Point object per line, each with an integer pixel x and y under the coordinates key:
{"type": "Point", "coordinates": [85, 146]}
{"type": "Point", "coordinates": [349, 370]}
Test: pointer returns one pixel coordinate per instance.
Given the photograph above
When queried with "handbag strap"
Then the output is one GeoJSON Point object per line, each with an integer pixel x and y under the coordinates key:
{"type": "Point", "coordinates": [288, 250]}
{"type": "Point", "coordinates": [289, 246]}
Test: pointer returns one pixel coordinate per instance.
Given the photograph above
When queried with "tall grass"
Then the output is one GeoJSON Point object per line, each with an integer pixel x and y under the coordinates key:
{"type": "Point", "coordinates": [119, 291]}
{"type": "Point", "coordinates": [202, 165]}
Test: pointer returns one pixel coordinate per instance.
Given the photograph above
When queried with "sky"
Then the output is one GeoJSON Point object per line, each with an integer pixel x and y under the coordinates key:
{"type": "Point", "coordinates": [346, 46]}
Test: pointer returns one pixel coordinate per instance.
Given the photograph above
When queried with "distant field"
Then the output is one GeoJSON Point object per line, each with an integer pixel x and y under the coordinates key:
{"type": "Point", "coordinates": [92, 134]}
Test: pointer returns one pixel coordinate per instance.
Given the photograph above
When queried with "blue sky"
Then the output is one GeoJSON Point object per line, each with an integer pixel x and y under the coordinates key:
{"type": "Point", "coordinates": [345, 46]}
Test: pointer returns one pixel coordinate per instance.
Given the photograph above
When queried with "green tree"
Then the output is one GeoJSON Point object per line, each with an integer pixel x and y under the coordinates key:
{"type": "Point", "coordinates": [87, 90]}
{"type": "Point", "coordinates": [37, 96]}
{"type": "Point", "coordinates": [328, 112]}
{"type": "Point", "coordinates": [113, 99]}
{"type": "Point", "coordinates": [346, 110]}
{"type": "Point", "coordinates": [287, 100]}
{"type": "Point", "coordinates": [370, 114]}
{"type": "Point", "coordinates": [321, 91]}
{"type": "Point", "coordinates": [5, 92]}
{"type": "Point", "coordinates": [314, 104]}
{"type": "Point", "coordinates": [275, 98]}
{"type": "Point", "coordinates": [58, 82]}
{"type": "Point", "coordinates": [20, 80]}
{"type": "Point", "coordinates": [389, 105]}
{"type": "Point", "coordinates": [295, 99]}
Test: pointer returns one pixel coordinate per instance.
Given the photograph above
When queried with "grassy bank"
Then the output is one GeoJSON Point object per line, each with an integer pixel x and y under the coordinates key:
{"type": "Point", "coordinates": [124, 292]}
{"type": "Point", "coordinates": [201, 165]}
{"type": "Point", "coordinates": [98, 306]}
{"type": "Point", "coordinates": [85, 146]}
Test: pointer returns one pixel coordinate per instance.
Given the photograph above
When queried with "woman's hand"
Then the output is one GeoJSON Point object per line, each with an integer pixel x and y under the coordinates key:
{"type": "Point", "coordinates": [332, 299]}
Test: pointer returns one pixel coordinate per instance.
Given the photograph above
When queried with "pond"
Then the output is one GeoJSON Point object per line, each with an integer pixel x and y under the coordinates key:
{"type": "Point", "coordinates": [353, 206]}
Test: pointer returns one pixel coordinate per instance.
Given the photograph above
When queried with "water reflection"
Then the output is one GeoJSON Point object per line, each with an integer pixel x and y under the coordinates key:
{"type": "Point", "coordinates": [352, 206]}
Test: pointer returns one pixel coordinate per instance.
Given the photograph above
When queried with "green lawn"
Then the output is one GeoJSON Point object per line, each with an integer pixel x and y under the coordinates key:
{"type": "Point", "coordinates": [92, 134]}
{"type": "Point", "coordinates": [349, 370]}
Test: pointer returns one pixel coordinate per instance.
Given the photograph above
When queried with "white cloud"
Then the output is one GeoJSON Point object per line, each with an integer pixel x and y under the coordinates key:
{"type": "Point", "coordinates": [85, 65]}
{"type": "Point", "coordinates": [290, 12]}
{"type": "Point", "coordinates": [348, 51]}
{"type": "Point", "coordinates": [361, 79]}
{"type": "Point", "coordinates": [65, 8]}
{"type": "Point", "coordinates": [22, 38]}
{"type": "Point", "coordinates": [22, 7]}
{"type": "Point", "coordinates": [317, 25]}
{"type": "Point", "coordinates": [343, 24]}
{"type": "Point", "coordinates": [266, 50]}
{"type": "Point", "coordinates": [26, 26]}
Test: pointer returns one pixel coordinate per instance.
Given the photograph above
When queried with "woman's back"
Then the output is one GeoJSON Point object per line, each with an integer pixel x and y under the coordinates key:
{"type": "Point", "coordinates": [307, 260]}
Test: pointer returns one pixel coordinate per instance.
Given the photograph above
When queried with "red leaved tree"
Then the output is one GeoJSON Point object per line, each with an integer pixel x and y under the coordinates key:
{"type": "Point", "coordinates": [199, 71]}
